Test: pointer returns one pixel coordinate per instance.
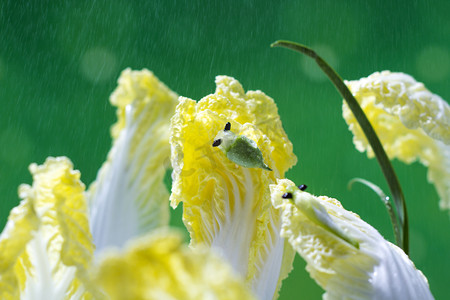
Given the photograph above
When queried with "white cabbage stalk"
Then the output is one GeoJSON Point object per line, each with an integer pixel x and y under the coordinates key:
{"type": "Point", "coordinates": [129, 198]}
{"type": "Point", "coordinates": [346, 256]}
{"type": "Point", "coordinates": [226, 206]}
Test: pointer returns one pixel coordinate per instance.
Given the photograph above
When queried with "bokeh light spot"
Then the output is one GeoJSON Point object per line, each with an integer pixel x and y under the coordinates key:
{"type": "Point", "coordinates": [15, 146]}
{"type": "Point", "coordinates": [433, 63]}
{"type": "Point", "coordinates": [419, 246]}
{"type": "Point", "coordinates": [98, 65]}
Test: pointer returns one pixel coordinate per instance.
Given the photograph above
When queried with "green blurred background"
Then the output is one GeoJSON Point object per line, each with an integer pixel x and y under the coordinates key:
{"type": "Point", "coordinates": [59, 62]}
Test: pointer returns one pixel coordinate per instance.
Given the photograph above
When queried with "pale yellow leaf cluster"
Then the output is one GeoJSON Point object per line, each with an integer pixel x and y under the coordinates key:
{"type": "Point", "coordinates": [411, 122]}
{"type": "Point", "coordinates": [46, 247]}
{"type": "Point", "coordinates": [162, 267]}
{"type": "Point", "coordinates": [46, 252]}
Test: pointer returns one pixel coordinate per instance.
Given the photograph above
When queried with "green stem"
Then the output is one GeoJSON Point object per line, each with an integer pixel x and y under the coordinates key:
{"type": "Point", "coordinates": [385, 199]}
{"type": "Point", "coordinates": [380, 154]}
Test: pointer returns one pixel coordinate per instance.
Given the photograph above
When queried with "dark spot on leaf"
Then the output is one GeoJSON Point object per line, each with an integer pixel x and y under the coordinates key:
{"type": "Point", "coordinates": [287, 196]}
{"type": "Point", "coordinates": [302, 187]}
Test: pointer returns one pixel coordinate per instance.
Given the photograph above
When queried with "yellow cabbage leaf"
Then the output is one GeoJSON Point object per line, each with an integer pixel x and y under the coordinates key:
{"type": "Point", "coordinates": [411, 122]}
{"type": "Point", "coordinates": [160, 267]}
{"type": "Point", "coordinates": [227, 206]}
{"type": "Point", "coordinates": [46, 247]}
{"type": "Point", "coordinates": [129, 197]}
